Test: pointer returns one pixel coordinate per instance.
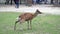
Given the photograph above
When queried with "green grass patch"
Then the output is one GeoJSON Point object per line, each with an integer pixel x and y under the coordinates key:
{"type": "Point", "coordinates": [49, 24]}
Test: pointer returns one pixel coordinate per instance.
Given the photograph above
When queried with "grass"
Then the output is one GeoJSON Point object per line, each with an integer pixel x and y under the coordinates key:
{"type": "Point", "coordinates": [49, 24]}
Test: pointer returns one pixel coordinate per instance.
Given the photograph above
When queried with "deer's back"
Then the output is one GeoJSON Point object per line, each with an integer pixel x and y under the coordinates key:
{"type": "Point", "coordinates": [26, 16]}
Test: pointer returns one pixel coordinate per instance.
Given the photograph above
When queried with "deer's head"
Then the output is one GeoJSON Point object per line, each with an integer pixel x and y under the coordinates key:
{"type": "Point", "coordinates": [38, 12]}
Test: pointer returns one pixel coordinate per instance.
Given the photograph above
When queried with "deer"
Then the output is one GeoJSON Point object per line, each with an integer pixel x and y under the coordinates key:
{"type": "Point", "coordinates": [26, 17]}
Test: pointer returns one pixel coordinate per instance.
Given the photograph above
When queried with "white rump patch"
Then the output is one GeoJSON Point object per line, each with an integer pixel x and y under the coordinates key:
{"type": "Point", "coordinates": [18, 18]}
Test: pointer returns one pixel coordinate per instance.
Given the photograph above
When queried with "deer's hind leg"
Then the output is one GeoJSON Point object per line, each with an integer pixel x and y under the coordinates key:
{"type": "Point", "coordinates": [18, 19]}
{"type": "Point", "coordinates": [15, 25]}
{"type": "Point", "coordinates": [21, 23]}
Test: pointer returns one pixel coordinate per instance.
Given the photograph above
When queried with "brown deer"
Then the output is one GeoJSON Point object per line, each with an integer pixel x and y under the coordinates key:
{"type": "Point", "coordinates": [27, 17]}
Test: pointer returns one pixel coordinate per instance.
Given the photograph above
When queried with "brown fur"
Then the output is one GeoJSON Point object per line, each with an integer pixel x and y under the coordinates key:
{"type": "Point", "coordinates": [26, 16]}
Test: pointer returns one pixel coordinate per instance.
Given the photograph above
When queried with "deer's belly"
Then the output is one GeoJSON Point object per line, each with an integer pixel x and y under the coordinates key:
{"type": "Point", "coordinates": [28, 19]}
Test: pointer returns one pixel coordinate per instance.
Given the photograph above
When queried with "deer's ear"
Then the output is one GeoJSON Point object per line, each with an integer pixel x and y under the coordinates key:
{"type": "Point", "coordinates": [37, 10]}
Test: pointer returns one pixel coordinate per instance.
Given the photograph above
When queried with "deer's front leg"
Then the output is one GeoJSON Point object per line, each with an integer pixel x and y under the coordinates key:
{"type": "Point", "coordinates": [30, 25]}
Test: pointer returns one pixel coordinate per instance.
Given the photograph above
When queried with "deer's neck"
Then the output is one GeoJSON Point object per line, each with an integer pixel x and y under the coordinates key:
{"type": "Point", "coordinates": [35, 14]}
